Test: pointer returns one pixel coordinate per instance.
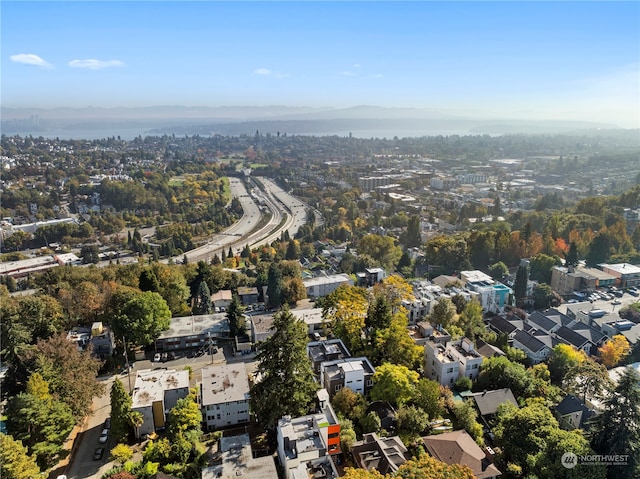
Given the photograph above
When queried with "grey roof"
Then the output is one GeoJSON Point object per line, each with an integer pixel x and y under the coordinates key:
{"type": "Point", "coordinates": [488, 401]}
{"type": "Point", "coordinates": [502, 325]}
{"type": "Point", "coordinates": [558, 317]}
{"type": "Point", "coordinates": [541, 321]}
{"type": "Point", "coordinates": [589, 332]}
{"type": "Point", "coordinates": [529, 341]}
{"type": "Point", "coordinates": [571, 337]}
{"type": "Point", "coordinates": [572, 405]}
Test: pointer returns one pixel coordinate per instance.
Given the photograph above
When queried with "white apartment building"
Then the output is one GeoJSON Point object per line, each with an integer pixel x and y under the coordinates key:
{"type": "Point", "coordinates": [155, 392]}
{"type": "Point", "coordinates": [445, 363]}
{"type": "Point", "coordinates": [224, 395]}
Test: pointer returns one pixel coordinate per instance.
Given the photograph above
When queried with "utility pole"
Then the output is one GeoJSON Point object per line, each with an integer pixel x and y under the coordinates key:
{"type": "Point", "coordinates": [126, 360]}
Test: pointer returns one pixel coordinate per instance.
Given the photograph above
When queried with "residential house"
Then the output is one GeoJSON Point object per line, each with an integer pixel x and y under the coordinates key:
{"type": "Point", "coordinates": [328, 350]}
{"type": "Point", "coordinates": [457, 447]}
{"type": "Point", "coordinates": [445, 363]}
{"type": "Point", "coordinates": [385, 454]}
{"type": "Point", "coordinates": [238, 461]}
{"type": "Point", "coordinates": [224, 395]}
{"type": "Point", "coordinates": [222, 298]}
{"type": "Point", "coordinates": [572, 413]}
{"type": "Point", "coordinates": [155, 392]}
{"type": "Point", "coordinates": [248, 295]}
{"type": "Point", "coordinates": [353, 373]}
{"type": "Point", "coordinates": [536, 349]}
{"type": "Point", "coordinates": [102, 341]}
{"type": "Point", "coordinates": [487, 402]}
{"type": "Point", "coordinates": [488, 350]}
{"type": "Point", "coordinates": [385, 412]}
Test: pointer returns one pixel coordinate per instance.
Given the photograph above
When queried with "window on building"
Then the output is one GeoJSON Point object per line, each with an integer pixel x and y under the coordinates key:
{"type": "Point", "coordinates": [338, 386]}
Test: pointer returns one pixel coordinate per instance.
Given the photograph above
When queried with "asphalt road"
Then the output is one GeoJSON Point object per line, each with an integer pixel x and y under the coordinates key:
{"type": "Point", "coordinates": [82, 464]}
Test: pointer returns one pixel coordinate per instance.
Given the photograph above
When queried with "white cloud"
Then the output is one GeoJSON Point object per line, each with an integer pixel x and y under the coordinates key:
{"type": "Point", "coordinates": [93, 64]}
{"type": "Point", "coordinates": [30, 59]}
{"type": "Point", "coordinates": [356, 65]}
{"type": "Point", "coordinates": [347, 74]}
{"type": "Point", "coordinates": [268, 73]}
{"type": "Point", "coordinates": [378, 75]}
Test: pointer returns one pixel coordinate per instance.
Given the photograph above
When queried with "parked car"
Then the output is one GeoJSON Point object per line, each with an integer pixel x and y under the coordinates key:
{"type": "Point", "coordinates": [107, 423]}
{"type": "Point", "coordinates": [156, 358]}
{"type": "Point", "coordinates": [104, 436]}
{"type": "Point", "coordinates": [97, 455]}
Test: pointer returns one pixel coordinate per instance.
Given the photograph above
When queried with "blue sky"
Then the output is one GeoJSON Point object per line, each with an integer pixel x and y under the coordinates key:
{"type": "Point", "coordinates": [565, 60]}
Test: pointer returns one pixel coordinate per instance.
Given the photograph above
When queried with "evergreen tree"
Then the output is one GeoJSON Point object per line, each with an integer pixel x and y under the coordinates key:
{"type": "Point", "coordinates": [379, 314]}
{"type": "Point", "coordinates": [286, 385]}
{"type": "Point", "coordinates": [571, 257]}
{"type": "Point", "coordinates": [412, 237]}
{"type": "Point", "coordinates": [149, 281]}
{"type": "Point", "coordinates": [235, 316]}
{"type": "Point", "coordinates": [293, 250]}
{"type": "Point", "coordinates": [274, 285]}
{"type": "Point", "coordinates": [202, 299]}
{"type": "Point", "coordinates": [521, 281]}
{"type": "Point", "coordinates": [120, 411]}
{"type": "Point", "coordinates": [15, 461]}
{"type": "Point", "coordinates": [617, 429]}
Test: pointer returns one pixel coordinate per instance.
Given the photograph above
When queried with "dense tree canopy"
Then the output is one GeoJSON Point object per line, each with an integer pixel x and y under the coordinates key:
{"type": "Point", "coordinates": [286, 384]}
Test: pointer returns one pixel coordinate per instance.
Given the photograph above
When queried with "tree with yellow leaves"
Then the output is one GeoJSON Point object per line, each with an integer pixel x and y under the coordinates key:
{"type": "Point", "coordinates": [614, 350]}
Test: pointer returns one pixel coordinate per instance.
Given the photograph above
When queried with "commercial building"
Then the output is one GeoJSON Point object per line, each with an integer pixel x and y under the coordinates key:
{"type": "Point", "coordinates": [627, 275]}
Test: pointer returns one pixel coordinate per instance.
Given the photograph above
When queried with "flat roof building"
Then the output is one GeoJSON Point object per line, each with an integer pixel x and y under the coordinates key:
{"type": "Point", "coordinates": [224, 395]}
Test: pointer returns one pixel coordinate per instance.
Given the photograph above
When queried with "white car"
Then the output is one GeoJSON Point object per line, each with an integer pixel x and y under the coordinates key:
{"type": "Point", "coordinates": [156, 358]}
{"type": "Point", "coordinates": [104, 436]}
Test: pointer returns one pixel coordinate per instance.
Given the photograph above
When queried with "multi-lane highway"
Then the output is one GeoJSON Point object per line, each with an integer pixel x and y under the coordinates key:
{"type": "Point", "coordinates": [249, 228]}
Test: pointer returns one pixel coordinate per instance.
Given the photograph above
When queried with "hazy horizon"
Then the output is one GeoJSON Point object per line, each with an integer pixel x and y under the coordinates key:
{"type": "Point", "coordinates": [577, 61]}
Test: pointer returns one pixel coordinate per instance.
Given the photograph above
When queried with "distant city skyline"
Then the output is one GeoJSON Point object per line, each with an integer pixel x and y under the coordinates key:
{"type": "Point", "coordinates": [528, 60]}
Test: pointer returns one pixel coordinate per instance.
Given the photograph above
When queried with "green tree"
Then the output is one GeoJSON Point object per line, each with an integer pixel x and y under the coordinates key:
{"type": "Point", "coordinates": [202, 300]}
{"type": "Point", "coordinates": [544, 297]}
{"type": "Point", "coordinates": [286, 385]}
{"type": "Point", "coordinates": [379, 314]}
{"type": "Point", "coordinates": [470, 321]}
{"type": "Point", "coordinates": [393, 383]}
{"type": "Point", "coordinates": [348, 403]}
{"type": "Point", "coordinates": [427, 467]}
{"type": "Point", "coordinates": [540, 267]}
{"type": "Point", "coordinates": [412, 236]}
{"type": "Point", "coordinates": [42, 424]}
{"type": "Point", "coordinates": [142, 319]}
{"type": "Point", "coordinates": [382, 249]}
{"type": "Point", "coordinates": [149, 281]}
{"type": "Point", "coordinates": [466, 418]}
{"type": "Point", "coordinates": [71, 374]}
{"type": "Point", "coordinates": [427, 396]}
{"type": "Point", "coordinates": [412, 421]}
{"type": "Point", "coordinates": [370, 422]}
{"type": "Point", "coordinates": [562, 358]}
{"type": "Point", "coordinates": [617, 429]}
{"type": "Point", "coordinates": [587, 380]}
{"type": "Point", "coordinates": [443, 313]}
{"type": "Point", "coordinates": [571, 257]}
{"type": "Point", "coordinates": [498, 271]}
{"type": "Point", "coordinates": [121, 453]}
{"type": "Point", "coordinates": [274, 285]}
{"type": "Point", "coordinates": [520, 285]}
{"type": "Point", "coordinates": [235, 316]}
{"type": "Point", "coordinates": [184, 416]}
{"type": "Point", "coordinates": [120, 411]}
{"type": "Point", "coordinates": [15, 461]}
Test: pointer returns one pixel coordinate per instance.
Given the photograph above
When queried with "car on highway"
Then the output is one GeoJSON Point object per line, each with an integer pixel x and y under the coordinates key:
{"type": "Point", "coordinates": [98, 453]}
{"type": "Point", "coordinates": [104, 436]}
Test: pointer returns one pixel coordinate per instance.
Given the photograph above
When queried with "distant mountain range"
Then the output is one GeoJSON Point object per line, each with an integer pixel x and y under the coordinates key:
{"type": "Point", "coordinates": [362, 121]}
